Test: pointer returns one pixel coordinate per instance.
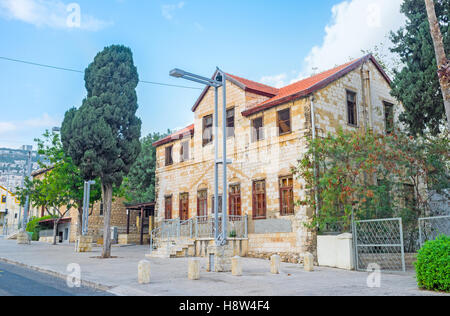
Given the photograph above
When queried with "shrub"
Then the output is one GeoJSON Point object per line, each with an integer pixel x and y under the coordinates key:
{"type": "Point", "coordinates": [33, 226]}
{"type": "Point", "coordinates": [433, 265]}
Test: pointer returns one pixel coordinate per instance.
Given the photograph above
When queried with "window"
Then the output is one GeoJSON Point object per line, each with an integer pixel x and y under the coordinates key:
{"type": "Point", "coordinates": [207, 130]}
{"type": "Point", "coordinates": [202, 204]}
{"type": "Point", "coordinates": [389, 117]}
{"type": "Point", "coordinates": [184, 206]}
{"type": "Point", "coordinates": [230, 123]}
{"type": "Point", "coordinates": [169, 158]}
{"type": "Point", "coordinates": [184, 151]}
{"type": "Point", "coordinates": [168, 207]}
{"type": "Point", "coordinates": [284, 121]}
{"type": "Point", "coordinates": [259, 199]}
{"type": "Point", "coordinates": [235, 200]}
{"type": "Point", "coordinates": [3, 199]}
{"type": "Point", "coordinates": [286, 196]}
{"type": "Point", "coordinates": [351, 109]}
{"type": "Point", "coordinates": [220, 204]}
{"type": "Point", "coordinates": [257, 129]}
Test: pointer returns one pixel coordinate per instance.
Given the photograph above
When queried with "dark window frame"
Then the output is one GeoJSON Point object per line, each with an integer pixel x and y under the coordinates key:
{"type": "Point", "coordinates": [388, 117]}
{"type": "Point", "coordinates": [202, 204]}
{"type": "Point", "coordinates": [257, 133]}
{"type": "Point", "coordinates": [259, 200]}
{"type": "Point", "coordinates": [184, 198]}
{"type": "Point", "coordinates": [207, 127]}
{"type": "Point", "coordinates": [184, 151]}
{"type": "Point", "coordinates": [235, 201]}
{"type": "Point", "coordinates": [286, 205]}
{"type": "Point", "coordinates": [352, 108]}
{"type": "Point", "coordinates": [231, 123]}
{"type": "Point", "coordinates": [169, 156]}
{"type": "Point", "coordinates": [168, 207]}
{"type": "Point", "coordinates": [280, 122]}
{"type": "Point", "coordinates": [220, 203]}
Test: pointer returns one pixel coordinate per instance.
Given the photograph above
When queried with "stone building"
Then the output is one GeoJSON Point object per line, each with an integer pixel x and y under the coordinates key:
{"type": "Point", "coordinates": [9, 211]}
{"type": "Point", "coordinates": [266, 129]}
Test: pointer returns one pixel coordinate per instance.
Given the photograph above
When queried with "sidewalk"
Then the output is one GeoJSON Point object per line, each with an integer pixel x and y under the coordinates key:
{"type": "Point", "coordinates": [169, 276]}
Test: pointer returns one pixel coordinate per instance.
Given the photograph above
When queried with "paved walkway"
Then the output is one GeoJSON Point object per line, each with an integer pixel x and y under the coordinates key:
{"type": "Point", "coordinates": [169, 276]}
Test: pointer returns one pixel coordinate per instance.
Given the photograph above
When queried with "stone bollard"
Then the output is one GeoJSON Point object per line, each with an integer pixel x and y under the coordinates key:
{"type": "Point", "coordinates": [236, 266]}
{"type": "Point", "coordinates": [194, 269]}
{"type": "Point", "coordinates": [144, 272]}
{"type": "Point", "coordinates": [84, 244]}
{"type": "Point", "coordinates": [23, 238]}
{"type": "Point", "coordinates": [308, 262]}
{"type": "Point", "coordinates": [275, 264]}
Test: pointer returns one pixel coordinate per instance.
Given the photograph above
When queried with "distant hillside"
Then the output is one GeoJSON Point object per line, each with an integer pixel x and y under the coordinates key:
{"type": "Point", "coordinates": [13, 162]}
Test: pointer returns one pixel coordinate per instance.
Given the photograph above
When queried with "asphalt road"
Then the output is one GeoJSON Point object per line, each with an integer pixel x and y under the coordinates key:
{"type": "Point", "coordinates": [19, 281]}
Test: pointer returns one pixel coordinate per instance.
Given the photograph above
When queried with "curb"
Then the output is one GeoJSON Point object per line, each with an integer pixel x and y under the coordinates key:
{"type": "Point", "coordinates": [90, 284]}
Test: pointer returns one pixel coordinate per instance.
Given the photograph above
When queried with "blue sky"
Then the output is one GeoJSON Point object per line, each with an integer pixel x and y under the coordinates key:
{"type": "Point", "coordinates": [275, 42]}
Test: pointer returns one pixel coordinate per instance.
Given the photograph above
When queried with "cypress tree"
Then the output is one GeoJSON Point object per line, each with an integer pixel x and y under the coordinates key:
{"type": "Point", "coordinates": [102, 136]}
{"type": "Point", "coordinates": [417, 84]}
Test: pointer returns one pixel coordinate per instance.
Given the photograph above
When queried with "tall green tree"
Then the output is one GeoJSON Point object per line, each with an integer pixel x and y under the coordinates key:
{"type": "Point", "coordinates": [102, 136]}
{"type": "Point", "coordinates": [417, 84]}
{"type": "Point", "coordinates": [139, 185]}
{"type": "Point", "coordinates": [62, 185]}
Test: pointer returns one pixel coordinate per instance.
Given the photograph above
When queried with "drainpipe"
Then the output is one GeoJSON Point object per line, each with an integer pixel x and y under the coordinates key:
{"type": "Point", "coordinates": [369, 97]}
{"type": "Point", "coordinates": [314, 136]}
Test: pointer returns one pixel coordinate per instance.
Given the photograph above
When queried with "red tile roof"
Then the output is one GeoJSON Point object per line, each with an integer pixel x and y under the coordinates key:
{"type": "Point", "coordinates": [245, 84]}
{"type": "Point", "coordinates": [188, 131]}
{"type": "Point", "coordinates": [309, 85]}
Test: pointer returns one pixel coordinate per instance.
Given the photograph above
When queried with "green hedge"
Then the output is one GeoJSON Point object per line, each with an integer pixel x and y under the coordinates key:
{"type": "Point", "coordinates": [33, 226]}
{"type": "Point", "coordinates": [433, 265]}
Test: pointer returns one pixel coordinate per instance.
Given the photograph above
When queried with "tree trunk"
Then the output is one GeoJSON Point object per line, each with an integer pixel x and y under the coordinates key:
{"type": "Point", "coordinates": [107, 201]}
{"type": "Point", "coordinates": [55, 230]}
{"type": "Point", "coordinates": [80, 221]}
{"type": "Point", "coordinates": [441, 59]}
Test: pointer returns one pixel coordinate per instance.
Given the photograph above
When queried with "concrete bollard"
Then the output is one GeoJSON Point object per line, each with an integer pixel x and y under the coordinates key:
{"type": "Point", "coordinates": [275, 264]}
{"type": "Point", "coordinates": [236, 266]}
{"type": "Point", "coordinates": [144, 272]}
{"type": "Point", "coordinates": [308, 262]}
{"type": "Point", "coordinates": [194, 269]}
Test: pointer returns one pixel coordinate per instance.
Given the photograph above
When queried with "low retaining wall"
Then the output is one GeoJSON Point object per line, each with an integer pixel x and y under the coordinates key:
{"type": "Point", "coordinates": [240, 246]}
{"type": "Point", "coordinates": [336, 251]}
{"type": "Point", "coordinates": [282, 244]}
{"type": "Point", "coordinates": [47, 240]}
{"type": "Point", "coordinates": [125, 239]}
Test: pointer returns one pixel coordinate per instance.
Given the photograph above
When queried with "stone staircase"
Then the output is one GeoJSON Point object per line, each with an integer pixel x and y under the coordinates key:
{"type": "Point", "coordinates": [174, 249]}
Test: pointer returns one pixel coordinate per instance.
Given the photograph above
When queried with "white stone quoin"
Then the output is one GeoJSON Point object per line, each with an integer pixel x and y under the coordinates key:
{"type": "Point", "coordinates": [236, 266]}
{"type": "Point", "coordinates": [275, 264]}
{"type": "Point", "coordinates": [144, 272]}
{"type": "Point", "coordinates": [194, 269]}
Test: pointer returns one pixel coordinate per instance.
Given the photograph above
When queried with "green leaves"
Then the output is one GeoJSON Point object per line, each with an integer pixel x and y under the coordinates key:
{"type": "Point", "coordinates": [417, 84]}
{"type": "Point", "coordinates": [102, 136]}
{"type": "Point", "coordinates": [366, 174]}
{"type": "Point", "coordinates": [433, 265]}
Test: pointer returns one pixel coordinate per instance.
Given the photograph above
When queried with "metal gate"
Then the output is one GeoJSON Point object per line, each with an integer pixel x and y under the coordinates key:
{"type": "Point", "coordinates": [431, 227]}
{"type": "Point", "coordinates": [379, 242]}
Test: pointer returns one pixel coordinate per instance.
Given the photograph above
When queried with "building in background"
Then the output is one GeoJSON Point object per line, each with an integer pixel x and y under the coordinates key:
{"type": "Point", "coordinates": [9, 211]}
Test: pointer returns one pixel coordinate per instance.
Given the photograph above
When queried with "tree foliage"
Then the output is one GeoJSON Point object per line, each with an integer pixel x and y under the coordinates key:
{"type": "Point", "coordinates": [417, 84]}
{"type": "Point", "coordinates": [368, 176]}
{"type": "Point", "coordinates": [102, 136]}
{"type": "Point", "coordinates": [139, 185]}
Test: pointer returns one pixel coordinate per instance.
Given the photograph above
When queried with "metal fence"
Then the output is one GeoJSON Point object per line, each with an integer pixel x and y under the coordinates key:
{"type": "Point", "coordinates": [200, 227]}
{"type": "Point", "coordinates": [431, 227]}
{"type": "Point", "coordinates": [379, 242]}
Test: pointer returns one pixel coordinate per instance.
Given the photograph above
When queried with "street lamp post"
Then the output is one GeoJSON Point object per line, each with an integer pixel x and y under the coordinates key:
{"type": "Point", "coordinates": [216, 83]}
{"type": "Point", "coordinates": [86, 199]}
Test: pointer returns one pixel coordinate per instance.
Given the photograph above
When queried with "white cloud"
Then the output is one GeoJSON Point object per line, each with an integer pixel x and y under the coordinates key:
{"type": "Point", "coordinates": [355, 25]}
{"type": "Point", "coordinates": [47, 13]}
{"type": "Point", "coordinates": [168, 10]}
{"type": "Point", "coordinates": [276, 81]}
{"type": "Point", "coordinates": [6, 127]}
